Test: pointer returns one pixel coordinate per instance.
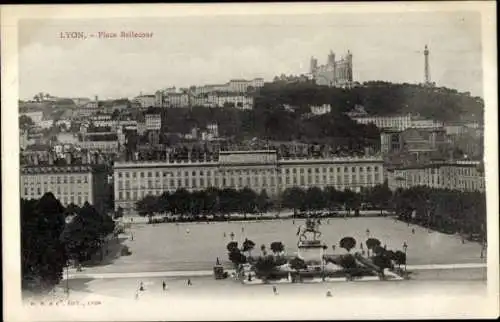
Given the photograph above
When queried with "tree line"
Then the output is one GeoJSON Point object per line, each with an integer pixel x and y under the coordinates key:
{"type": "Point", "coordinates": [448, 211]}
{"type": "Point", "coordinates": [53, 236]}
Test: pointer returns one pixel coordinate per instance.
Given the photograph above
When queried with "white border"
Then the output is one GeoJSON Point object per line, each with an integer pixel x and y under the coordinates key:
{"type": "Point", "coordinates": [406, 306]}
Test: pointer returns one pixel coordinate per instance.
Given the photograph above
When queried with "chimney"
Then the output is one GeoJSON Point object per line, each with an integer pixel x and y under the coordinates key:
{"type": "Point", "coordinates": [68, 158]}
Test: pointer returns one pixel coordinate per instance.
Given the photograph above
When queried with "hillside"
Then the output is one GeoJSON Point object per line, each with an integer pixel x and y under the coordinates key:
{"type": "Point", "coordinates": [378, 98]}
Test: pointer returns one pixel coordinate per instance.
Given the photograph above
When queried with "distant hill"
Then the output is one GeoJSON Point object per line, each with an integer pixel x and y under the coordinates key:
{"type": "Point", "coordinates": [377, 97]}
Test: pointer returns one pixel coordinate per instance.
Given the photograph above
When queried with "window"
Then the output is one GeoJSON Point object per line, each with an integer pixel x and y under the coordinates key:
{"type": "Point", "coordinates": [179, 183]}
{"type": "Point", "coordinates": [58, 179]}
{"type": "Point", "coordinates": [150, 174]}
{"type": "Point", "coordinates": [186, 173]}
{"type": "Point", "coordinates": [71, 179]}
{"type": "Point", "coordinates": [134, 175]}
{"type": "Point", "coordinates": [127, 175]}
{"type": "Point", "coordinates": [186, 182]}
{"type": "Point", "coordinates": [193, 183]}
{"type": "Point", "coordinates": [193, 173]}
{"type": "Point", "coordinates": [119, 174]}
{"type": "Point", "coordinates": [309, 170]}
{"type": "Point", "coordinates": [201, 172]}
{"type": "Point", "coordinates": [142, 174]}
{"type": "Point", "coordinates": [301, 170]}
{"type": "Point", "coordinates": [202, 182]}
{"type": "Point", "coordinates": [85, 179]}
{"type": "Point", "coordinates": [317, 170]}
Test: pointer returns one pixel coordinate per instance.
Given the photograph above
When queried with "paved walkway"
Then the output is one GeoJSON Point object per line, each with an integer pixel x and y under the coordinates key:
{"type": "Point", "coordinates": [210, 273]}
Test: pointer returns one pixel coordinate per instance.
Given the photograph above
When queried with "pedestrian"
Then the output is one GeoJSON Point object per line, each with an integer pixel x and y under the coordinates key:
{"type": "Point", "coordinates": [232, 236]}
{"type": "Point", "coordinates": [164, 285]}
{"type": "Point", "coordinates": [275, 290]}
{"type": "Point", "coordinates": [242, 229]}
{"type": "Point", "coordinates": [224, 234]}
{"type": "Point", "coordinates": [189, 282]}
{"type": "Point", "coordinates": [187, 230]}
{"type": "Point", "coordinates": [141, 287]}
{"type": "Point", "coordinates": [413, 231]}
{"type": "Point", "coordinates": [329, 293]}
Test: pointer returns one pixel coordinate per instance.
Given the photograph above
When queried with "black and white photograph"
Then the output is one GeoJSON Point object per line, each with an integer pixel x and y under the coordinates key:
{"type": "Point", "coordinates": [271, 161]}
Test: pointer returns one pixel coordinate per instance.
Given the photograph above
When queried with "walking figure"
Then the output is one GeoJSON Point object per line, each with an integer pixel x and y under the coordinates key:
{"type": "Point", "coordinates": [224, 234]}
{"type": "Point", "coordinates": [413, 231]}
{"type": "Point", "coordinates": [329, 293]}
{"type": "Point", "coordinates": [232, 236]}
{"type": "Point", "coordinates": [361, 246]}
{"type": "Point", "coordinates": [275, 290]}
{"type": "Point", "coordinates": [164, 285]}
{"type": "Point", "coordinates": [189, 282]}
{"type": "Point", "coordinates": [141, 287]}
{"type": "Point", "coordinates": [242, 229]}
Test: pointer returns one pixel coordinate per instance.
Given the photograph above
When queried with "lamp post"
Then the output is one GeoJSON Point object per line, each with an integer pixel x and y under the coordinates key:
{"type": "Point", "coordinates": [67, 279]}
{"type": "Point", "coordinates": [405, 247]}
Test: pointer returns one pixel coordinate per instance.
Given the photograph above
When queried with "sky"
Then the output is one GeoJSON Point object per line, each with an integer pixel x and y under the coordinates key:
{"type": "Point", "coordinates": [185, 51]}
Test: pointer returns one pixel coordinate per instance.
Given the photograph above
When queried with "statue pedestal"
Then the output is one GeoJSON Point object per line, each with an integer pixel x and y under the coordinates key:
{"type": "Point", "coordinates": [311, 250]}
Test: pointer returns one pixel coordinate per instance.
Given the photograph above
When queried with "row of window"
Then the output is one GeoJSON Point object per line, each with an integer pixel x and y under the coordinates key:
{"type": "Point", "coordinates": [55, 179]}
{"type": "Point", "coordinates": [149, 174]}
{"type": "Point", "coordinates": [41, 190]}
{"type": "Point", "coordinates": [255, 181]}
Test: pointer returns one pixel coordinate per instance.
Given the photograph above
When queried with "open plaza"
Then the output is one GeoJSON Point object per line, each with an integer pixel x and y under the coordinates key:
{"type": "Point", "coordinates": [196, 246]}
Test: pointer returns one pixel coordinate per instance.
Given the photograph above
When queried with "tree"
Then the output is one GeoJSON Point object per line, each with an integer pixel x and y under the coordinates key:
{"type": "Point", "coordinates": [314, 199]}
{"type": "Point", "coordinates": [263, 250]}
{"type": "Point", "coordinates": [263, 202]}
{"type": "Point", "coordinates": [277, 247]}
{"type": "Point", "coordinates": [42, 223]}
{"type": "Point", "coordinates": [293, 198]}
{"type": "Point", "coordinates": [248, 246]}
{"type": "Point", "coordinates": [348, 243]}
{"type": "Point", "coordinates": [264, 267]}
{"type": "Point", "coordinates": [371, 243]}
{"type": "Point", "coordinates": [147, 206]}
{"type": "Point", "coordinates": [248, 201]}
{"type": "Point", "coordinates": [25, 122]}
{"type": "Point", "coordinates": [232, 246]}
{"type": "Point", "coordinates": [400, 258]}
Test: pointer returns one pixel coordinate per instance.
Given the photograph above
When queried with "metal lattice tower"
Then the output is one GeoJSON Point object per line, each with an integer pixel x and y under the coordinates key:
{"type": "Point", "coordinates": [426, 66]}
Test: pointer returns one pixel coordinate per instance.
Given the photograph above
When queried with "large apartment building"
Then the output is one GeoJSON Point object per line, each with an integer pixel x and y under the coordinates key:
{"type": "Point", "coordinates": [456, 175]}
{"type": "Point", "coordinates": [257, 170]}
{"type": "Point", "coordinates": [397, 122]}
{"type": "Point", "coordinates": [69, 183]}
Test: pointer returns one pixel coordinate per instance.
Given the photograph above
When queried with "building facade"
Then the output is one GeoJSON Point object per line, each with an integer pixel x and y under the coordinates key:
{"type": "Point", "coordinates": [75, 184]}
{"type": "Point", "coordinates": [153, 122]}
{"type": "Point", "coordinates": [146, 100]}
{"type": "Point", "coordinates": [257, 170]}
{"type": "Point", "coordinates": [321, 109]}
{"type": "Point", "coordinates": [334, 72]}
{"type": "Point", "coordinates": [455, 175]}
{"type": "Point", "coordinates": [398, 122]}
